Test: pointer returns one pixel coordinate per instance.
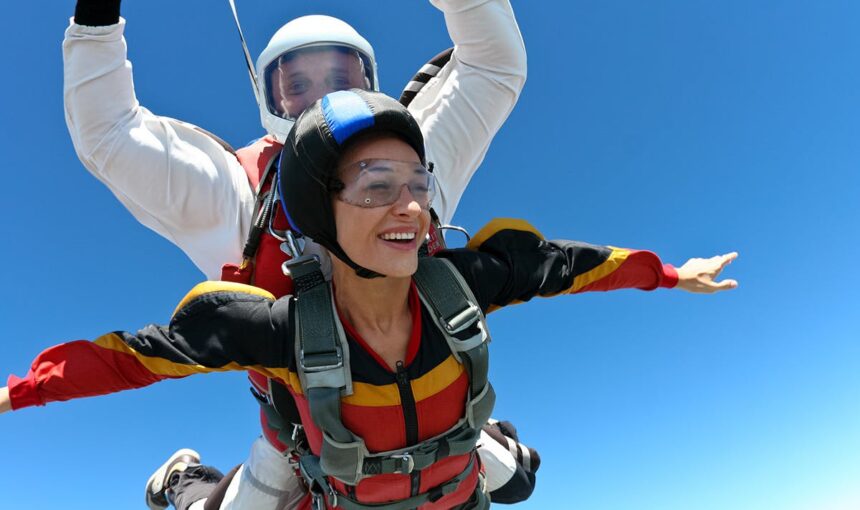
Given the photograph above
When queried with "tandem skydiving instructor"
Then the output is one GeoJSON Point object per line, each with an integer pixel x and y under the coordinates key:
{"type": "Point", "coordinates": [218, 204]}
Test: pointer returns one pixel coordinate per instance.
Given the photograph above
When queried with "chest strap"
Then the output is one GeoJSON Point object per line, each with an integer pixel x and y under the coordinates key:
{"type": "Point", "coordinates": [323, 365]}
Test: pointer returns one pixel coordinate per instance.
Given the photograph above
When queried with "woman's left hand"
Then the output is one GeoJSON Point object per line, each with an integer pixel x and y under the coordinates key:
{"type": "Point", "coordinates": [700, 275]}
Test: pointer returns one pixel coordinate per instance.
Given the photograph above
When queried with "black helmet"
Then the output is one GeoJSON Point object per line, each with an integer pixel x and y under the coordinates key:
{"type": "Point", "coordinates": [308, 163]}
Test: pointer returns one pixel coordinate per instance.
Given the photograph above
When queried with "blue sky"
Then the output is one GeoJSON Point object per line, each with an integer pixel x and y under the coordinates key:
{"type": "Point", "coordinates": [687, 127]}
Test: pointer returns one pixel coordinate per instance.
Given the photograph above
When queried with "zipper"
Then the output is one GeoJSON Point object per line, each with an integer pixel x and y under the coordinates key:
{"type": "Point", "coordinates": [407, 402]}
{"type": "Point", "coordinates": [410, 417]}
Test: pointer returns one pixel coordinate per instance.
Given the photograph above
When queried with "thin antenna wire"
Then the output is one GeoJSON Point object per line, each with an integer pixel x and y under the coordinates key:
{"type": "Point", "coordinates": [250, 63]}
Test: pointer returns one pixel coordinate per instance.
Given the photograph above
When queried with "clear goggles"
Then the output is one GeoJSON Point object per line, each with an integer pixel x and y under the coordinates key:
{"type": "Point", "coordinates": [380, 182]}
{"type": "Point", "coordinates": [298, 77]}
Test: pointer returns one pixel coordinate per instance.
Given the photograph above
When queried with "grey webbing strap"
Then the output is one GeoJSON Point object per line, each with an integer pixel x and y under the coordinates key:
{"type": "Point", "coordinates": [316, 481]}
{"type": "Point", "coordinates": [458, 441]}
{"type": "Point", "coordinates": [446, 296]}
{"type": "Point", "coordinates": [321, 357]}
{"type": "Point", "coordinates": [324, 405]}
{"type": "Point", "coordinates": [456, 309]}
{"type": "Point", "coordinates": [433, 494]}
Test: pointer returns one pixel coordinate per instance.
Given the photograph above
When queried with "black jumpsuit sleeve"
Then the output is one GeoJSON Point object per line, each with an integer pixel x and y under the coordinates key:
{"type": "Point", "coordinates": [218, 327]}
{"type": "Point", "coordinates": [509, 261]}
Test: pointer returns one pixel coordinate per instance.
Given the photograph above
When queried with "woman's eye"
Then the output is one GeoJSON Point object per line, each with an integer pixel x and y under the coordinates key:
{"type": "Point", "coordinates": [379, 186]}
{"type": "Point", "coordinates": [421, 186]}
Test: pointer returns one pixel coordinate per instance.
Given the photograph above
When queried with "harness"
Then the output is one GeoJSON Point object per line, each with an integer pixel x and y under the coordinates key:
{"type": "Point", "coordinates": [322, 356]}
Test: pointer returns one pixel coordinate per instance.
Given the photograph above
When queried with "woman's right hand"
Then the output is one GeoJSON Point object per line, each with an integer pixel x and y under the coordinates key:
{"type": "Point", "coordinates": [5, 401]}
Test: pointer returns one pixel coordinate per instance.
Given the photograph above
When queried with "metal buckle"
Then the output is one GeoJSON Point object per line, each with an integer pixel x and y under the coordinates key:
{"type": "Point", "coordinates": [408, 460]}
{"type": "Point", "coordinates": [317, 502]}
{"type": "Point", "coordinates": [298, 261]}
{"type": "Point", "coordinates": [292, 245]}
{"type": "Point", "coordinates": [463, 319]}
{"type": "Point", "coordinates": [295, 433]}
{"type": "Point", "coordinates": [317, 489]}
{"type": "Point", "coordinates": [320, 368]}
{"type": "Point", "coordinates": [271, 224]}
{"type": "Point", "coordinates": [457, 229]}
{"type": "Point", "coordinates": [332, 497]}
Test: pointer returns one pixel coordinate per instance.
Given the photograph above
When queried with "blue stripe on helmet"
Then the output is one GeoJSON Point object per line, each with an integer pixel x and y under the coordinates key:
{"type": "Point", "coordinates": [346, 113]}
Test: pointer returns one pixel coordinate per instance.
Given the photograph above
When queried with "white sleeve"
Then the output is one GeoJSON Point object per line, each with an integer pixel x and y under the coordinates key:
{"type": "Point", "coordinates": [173, 178]}
{"type": "Point", "coordinates": [462, 108]}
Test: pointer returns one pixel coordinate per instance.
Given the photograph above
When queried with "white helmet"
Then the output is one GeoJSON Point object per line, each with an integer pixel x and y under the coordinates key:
{"type": "Point", "coordinates": [301, 33]}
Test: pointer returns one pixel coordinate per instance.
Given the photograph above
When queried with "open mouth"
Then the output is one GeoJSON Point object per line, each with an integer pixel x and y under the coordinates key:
{"type": "Point", "coordinates": [398, 237]}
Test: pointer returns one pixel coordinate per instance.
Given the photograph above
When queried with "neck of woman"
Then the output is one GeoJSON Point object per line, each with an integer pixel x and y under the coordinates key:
{"type": "Point", "coordinates": [377, 308]}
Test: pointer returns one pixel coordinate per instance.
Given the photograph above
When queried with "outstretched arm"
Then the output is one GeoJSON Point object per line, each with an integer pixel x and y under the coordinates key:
{"type": "Point", "coordinates": [174, 178]}
{"type": "Point", "coordinates": [218, 327]}
{"type": "Point", "coordinates": [508, 262]}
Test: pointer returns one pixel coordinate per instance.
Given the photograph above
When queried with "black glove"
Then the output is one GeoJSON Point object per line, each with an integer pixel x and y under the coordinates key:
{"type": "Point", "coordinates": [97, 13]}
{"type": "Point", "coordinates": [522, 483]}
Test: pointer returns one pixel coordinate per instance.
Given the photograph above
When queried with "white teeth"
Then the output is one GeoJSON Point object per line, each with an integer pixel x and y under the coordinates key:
{"type": "Point", "coordinates": [393, 236]}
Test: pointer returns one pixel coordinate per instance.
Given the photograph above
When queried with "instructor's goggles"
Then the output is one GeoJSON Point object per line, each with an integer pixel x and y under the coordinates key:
{"type": "Point", "coordinates": [379, 182]}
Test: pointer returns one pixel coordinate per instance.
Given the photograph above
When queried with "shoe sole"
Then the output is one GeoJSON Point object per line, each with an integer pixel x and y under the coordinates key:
{"type": "Point", "coordinates": [155, 484]}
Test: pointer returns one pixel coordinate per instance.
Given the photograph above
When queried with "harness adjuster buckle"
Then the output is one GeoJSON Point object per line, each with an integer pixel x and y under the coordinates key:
{"type": "Point", "coordinates": [296, 429]}
{"type": "Point", "coordinates": [322, 367]}
{"type": "Point", "coordinates": [317, 502]}
{"type": "Point", "coordinates": [332, 496]}
{"type": "Point", "coordinates": [407, 463]}
{"type": "Point", "coordinates": [293, 266]}
{"type": "Point", "coordinates": [292, 245]}
{"type": "Point", "coordinates": [318, 488]}
{"type": "Point", "coordinates": [463, 320]}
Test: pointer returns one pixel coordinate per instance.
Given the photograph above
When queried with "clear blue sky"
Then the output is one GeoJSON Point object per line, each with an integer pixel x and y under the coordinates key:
{"type": "Point", "coordinates": [687, 127]}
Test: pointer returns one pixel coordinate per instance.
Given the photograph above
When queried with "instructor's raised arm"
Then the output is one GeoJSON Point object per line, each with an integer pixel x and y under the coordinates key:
{"type": "Point", "coordinates": [174, 178]}
{"type": "Point", "coordinates": [462, 109]}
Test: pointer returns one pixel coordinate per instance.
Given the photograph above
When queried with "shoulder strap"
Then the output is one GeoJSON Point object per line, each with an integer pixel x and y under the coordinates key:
{"type": "Point", "coordinates": [457, 314]}
{"type": "Point", "coordinates": [256, 159]}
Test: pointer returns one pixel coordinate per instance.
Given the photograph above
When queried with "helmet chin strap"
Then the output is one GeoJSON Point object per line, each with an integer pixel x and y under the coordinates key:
{"type": "Point", "coordinates": [361, 272]}
{"type": "Point", "coordinates": [367, 273]}
{"type": "Point", "coordinates": [250, 63]}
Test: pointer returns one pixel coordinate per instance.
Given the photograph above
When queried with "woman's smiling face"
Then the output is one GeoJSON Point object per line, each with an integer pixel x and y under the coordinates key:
{"type": "Point", "coordinates": [384, 239]}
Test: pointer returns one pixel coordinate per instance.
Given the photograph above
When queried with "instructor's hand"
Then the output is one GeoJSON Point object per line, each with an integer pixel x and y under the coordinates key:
{"type": "Point", "coordinates": [700, 275]}
{"type": "Point", "coordinates": [5, 402]}
{"type": "Point", "coordinates": [97, 13]}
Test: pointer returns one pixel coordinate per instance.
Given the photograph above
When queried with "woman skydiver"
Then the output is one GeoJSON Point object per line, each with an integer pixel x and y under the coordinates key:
{"type": "Point", "coordinates": [387, 362]}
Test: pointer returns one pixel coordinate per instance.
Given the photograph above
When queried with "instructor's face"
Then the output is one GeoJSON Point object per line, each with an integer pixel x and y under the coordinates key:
{"type": "Point", "coordinates": [307, 75]}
